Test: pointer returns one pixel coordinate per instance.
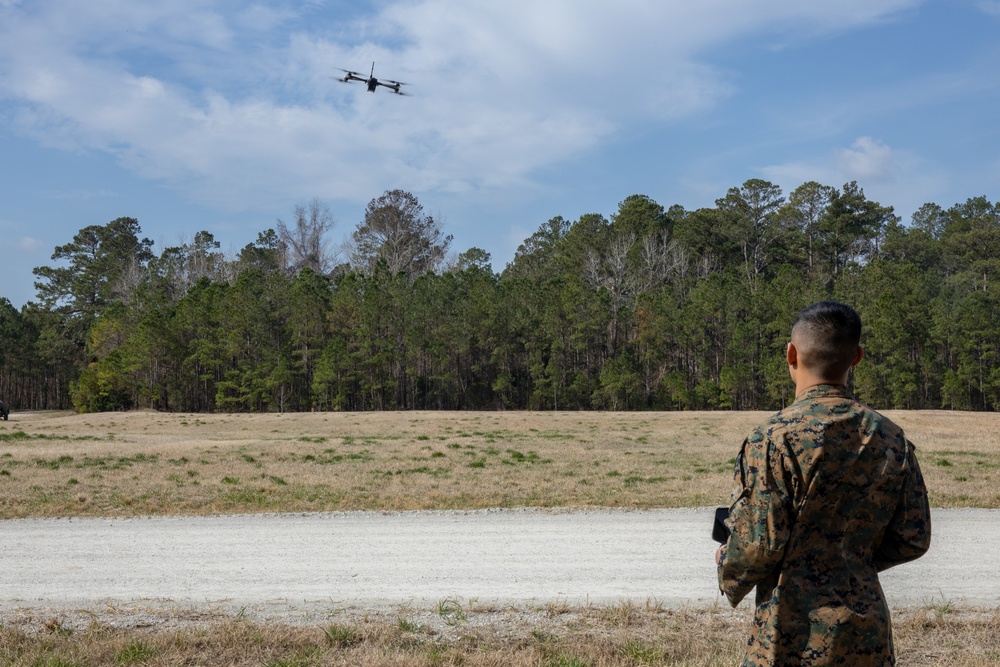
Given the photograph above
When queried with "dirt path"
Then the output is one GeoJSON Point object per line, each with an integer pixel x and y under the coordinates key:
{"type": "Point", "coordinates": [280, 565]}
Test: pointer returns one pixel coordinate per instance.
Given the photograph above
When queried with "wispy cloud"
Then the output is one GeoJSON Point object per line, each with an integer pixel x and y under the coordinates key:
{"type": "Point", "coordinates": [218, 106]}
{"type": "Point", "coordinates": [82, 195]}
{"type": "Point", "coordinates": [991, 7]}
{"type": "Point", "coordinates": [892, 176]}
{"type": "Point", "coordinates": [29, 244]}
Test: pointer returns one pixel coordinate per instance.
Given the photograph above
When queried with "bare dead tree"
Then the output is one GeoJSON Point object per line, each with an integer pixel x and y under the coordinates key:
{"type": "Point", "coordinates": [306, 241]}
{"type": "Point", "coordinates": [610, 269]}
{"type": "Point", "coordinates": [128, 282]}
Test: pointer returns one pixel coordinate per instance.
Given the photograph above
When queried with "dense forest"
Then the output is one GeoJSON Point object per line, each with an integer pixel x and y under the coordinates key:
{"type": "Point", "coordinates": [650, 308]}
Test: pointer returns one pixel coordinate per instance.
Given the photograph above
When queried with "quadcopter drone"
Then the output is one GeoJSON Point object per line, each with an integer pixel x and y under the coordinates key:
{"type": "Point", "coordinates": [371, 81]}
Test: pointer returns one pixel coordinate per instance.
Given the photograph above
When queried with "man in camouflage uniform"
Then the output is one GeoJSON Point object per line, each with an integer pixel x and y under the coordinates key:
{"type": "Point", "coordinates": [826, 494]}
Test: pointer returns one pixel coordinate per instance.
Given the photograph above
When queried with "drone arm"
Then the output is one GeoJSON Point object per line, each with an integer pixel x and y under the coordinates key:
{"type": "Point", "coordinates": [394, 86]}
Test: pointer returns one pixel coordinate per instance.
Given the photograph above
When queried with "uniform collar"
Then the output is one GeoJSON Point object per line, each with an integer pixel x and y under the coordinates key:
{"type": "Point", "coordinates": [824, 391]}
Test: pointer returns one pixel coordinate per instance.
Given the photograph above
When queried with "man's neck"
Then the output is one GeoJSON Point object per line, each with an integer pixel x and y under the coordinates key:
{"type": "Point", "coordinates": [805, 380]}
{"type": "Point", "coordinates": [801, 390]}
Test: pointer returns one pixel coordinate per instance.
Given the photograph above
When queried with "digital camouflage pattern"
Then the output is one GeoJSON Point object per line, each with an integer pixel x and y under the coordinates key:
{"type": "Point", "coordinates": [826, 494]}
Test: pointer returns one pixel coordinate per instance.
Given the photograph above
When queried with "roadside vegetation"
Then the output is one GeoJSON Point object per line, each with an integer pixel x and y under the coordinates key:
{"type": "Point", "coordinates": [623, 635]}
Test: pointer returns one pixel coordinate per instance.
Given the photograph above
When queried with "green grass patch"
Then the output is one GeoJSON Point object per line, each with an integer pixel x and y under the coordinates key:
{"type": "Point", "coordinates": [21, 436]}
{"type": "Point", "coordinates": [54, 464]}
{"type": "Point", "coordinates": [341, 636]}
{"type": "Point", "coordinates": [250, 497]}
{"type": "Point", "coordinates": [517, 458]}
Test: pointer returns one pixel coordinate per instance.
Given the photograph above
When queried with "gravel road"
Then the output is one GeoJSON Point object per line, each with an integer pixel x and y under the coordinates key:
{"type": "Point", "coordinates": [285, 564]}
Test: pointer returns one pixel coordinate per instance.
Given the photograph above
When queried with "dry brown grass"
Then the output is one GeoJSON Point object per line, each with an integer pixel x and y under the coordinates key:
{"type": "Point", "coordinates": [959, 454]}
{"type": "Point", "coordinates": [623, 635]}
{"type": "Point", "coordinates": [114, 464]}
{"type": "Point", "coordinates": [59, 464]}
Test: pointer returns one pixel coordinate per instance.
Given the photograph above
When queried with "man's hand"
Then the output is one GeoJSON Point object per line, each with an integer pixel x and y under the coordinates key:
{"type": "Point", "coordinates": [718, 554]}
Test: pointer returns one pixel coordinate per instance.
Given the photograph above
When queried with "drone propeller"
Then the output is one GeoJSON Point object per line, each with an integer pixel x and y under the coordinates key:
{"type": "Point", "coordinates": [396, 83]}
{"type": "Point", "coordinates": [349, 76]}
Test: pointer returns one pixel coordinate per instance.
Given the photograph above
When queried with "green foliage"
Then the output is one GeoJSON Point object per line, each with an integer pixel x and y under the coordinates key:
{"type": "Point", "coordinates": [136, 653]}
{"type": "Point", "coordinates": [642, 652]}
{"type": "Point", "coordinates": [341, 636]}
{"type": "Point", "coordinates": [650, 309]}
{"type": "Point", "coordinates": [451, 612]}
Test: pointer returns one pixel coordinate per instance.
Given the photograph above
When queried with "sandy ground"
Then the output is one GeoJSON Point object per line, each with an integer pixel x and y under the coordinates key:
{"type": "Point", "coordinates": [287, 566]}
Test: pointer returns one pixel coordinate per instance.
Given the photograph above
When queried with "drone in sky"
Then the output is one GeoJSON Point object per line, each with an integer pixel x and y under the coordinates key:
{"type": "Point", "coordinates": [371, 81]}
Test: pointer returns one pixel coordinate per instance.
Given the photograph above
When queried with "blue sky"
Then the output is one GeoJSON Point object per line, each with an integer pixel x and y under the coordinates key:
{"type": "Point", "coordinates": [222, 116]}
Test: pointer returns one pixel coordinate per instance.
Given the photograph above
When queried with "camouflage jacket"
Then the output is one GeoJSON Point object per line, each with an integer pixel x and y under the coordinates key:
{"type": "Point", "coordinates": [826, 494]}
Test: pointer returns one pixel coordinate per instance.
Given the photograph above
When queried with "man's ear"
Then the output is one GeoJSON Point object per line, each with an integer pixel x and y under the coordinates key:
{"type": "Point", "coordinates": [792, 355]}
{"type": "Point", "coordinates": [858, 357]}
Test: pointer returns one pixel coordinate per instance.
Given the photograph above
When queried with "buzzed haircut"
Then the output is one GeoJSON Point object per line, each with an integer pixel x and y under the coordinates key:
{"type": "Point", "coordinates": [827, 335]}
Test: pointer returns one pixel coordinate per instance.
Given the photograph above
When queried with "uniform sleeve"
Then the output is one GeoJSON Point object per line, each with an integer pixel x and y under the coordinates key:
{"type": "Point", "coordinates": [760, 518]}
{"type": "Point", "coordinates": [908, 535]}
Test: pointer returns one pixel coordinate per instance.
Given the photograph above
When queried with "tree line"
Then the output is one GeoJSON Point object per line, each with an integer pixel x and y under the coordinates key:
{"type": "Point", "coordinates": [648, 308]}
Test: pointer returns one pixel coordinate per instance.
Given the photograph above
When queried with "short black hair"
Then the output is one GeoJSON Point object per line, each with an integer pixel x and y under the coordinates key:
{"type": "Point", "coordinates": [829, 333]}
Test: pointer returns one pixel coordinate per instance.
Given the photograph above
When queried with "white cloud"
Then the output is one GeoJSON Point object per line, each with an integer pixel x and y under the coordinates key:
{"type": "Point", "coordinates": [83, 195]}
{"type": "Point", "coordinates": [991, 7]}
{"type": "Point", "coordinates": [239, 109]}
{"type": "Point", "coordinates": [867, 161]}
{"type": "Point", "coordinates": [897, 177]}
{"type": "Point", "coordinates": [29, 244]}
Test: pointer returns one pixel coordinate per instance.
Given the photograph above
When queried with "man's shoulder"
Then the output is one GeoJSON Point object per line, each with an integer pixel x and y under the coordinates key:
{"type": "Point", "coordinates": [822, 406]}
{"type": "Point", "coordinates": [807, 411]}
{"type": "Point", "coordinates": [817, 418]}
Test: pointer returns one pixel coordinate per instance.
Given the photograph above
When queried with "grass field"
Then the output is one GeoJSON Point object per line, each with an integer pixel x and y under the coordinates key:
{"type": "Point", "coordinates": [122, 464]}
{"type": "Point", "coordinates": [623, 635]}
{"type": "Point", "coordinates": [148, 463]}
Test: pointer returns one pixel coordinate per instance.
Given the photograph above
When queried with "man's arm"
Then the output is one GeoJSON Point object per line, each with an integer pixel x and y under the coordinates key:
{"type": "Point", "coordinates": [759, 519]}
{"type": "Point", "coordinates": [908, 536]}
